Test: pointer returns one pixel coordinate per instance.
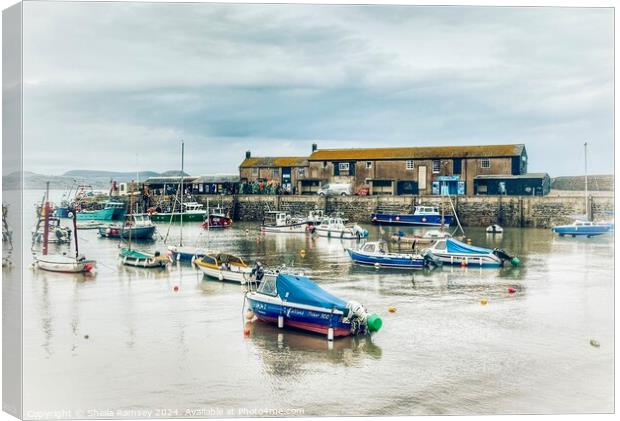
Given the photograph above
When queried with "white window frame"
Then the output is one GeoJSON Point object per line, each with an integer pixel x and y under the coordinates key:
{"type": "Point", "coordinates": [438, 163]}
{"type": "Point", "coordinates": [409, 165]}
{"type": "Point", "coordinates": [343, 166]}
{"type": "Point", "coordinates": [275, 172]}
{"type": "Point", "coordinates": [485, 163]}
{"type": "Point", "coordinates": [301, 172]}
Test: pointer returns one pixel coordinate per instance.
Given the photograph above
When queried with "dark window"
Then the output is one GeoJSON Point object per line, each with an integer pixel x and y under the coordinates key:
{"type": "Point", "coordinates": [456, 166]}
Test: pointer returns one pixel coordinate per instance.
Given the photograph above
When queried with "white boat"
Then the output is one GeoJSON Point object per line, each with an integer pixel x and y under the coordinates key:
{"type": "Point", "coordinates": [315, 217]}
{"type": "Point", "coordinates": [454, 252]}
{"type": "Point", "coordinates": [494, 229]}
{"type": "Point", "coordinates": [63, 263]}
{"type": "Point", "coordinates": [336, 228]}
{"type": "Point", "coordinates": [225, 267]}
{"type": "Point", "coordinates": [426, 238]}
{"type": "Point", "coordinates": [282, 222]}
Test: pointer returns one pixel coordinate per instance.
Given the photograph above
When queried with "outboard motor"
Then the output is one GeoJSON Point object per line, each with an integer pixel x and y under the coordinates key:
{"type": "Point", "coordinates": [361, 322]}
{"type": "Point", "coordinates": [501, 253]}
{"type": "Point", "coordinates": [430, 261]}
{"type": "Point", "coordinates": [257, 271]}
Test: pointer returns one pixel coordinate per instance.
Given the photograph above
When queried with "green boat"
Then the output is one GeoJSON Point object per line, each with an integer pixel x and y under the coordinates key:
{"type": "Point", "coordinates": [113, 211]}
{"type": "Point", "coordinates": [143, 260]}
{"type": "Point", "coordinates": [191, 212]}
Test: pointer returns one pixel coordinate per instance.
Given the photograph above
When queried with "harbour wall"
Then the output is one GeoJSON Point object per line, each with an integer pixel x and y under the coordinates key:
{"type": "Point", "coordinates": [509, 211]}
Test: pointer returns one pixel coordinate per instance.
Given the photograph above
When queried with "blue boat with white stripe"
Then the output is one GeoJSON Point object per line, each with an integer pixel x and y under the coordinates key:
{"type": "Point", "coordinates": [422, 215]}
{"type": "Point", "coordinates": [454, 252]}
{"type": "Point", "coordinates": [375, 253]}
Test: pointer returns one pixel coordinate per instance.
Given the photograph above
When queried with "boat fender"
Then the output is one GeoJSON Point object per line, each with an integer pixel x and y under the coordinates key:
{"type": "Point", "coordinates": [70, 214]}
{"type": "Point", "coordinates": [515, 261]}
{"type": "Point", "coordinates": [374, 323]}
{"type": "Point", "coordinates": [220, 276]}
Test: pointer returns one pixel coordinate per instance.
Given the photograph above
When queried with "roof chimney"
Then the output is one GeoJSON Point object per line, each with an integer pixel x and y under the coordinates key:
{"type": "Point", "coordinates": [314, 147]}
{"type": "Point", "coordinates": [248, 154]}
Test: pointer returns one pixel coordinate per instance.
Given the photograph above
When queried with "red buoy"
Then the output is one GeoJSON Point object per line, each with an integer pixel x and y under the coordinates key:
{"type": "Point", "coordinates": [176, 288]}
{"type": "Point", "coordinates": [246, 332]}
{"type": "Point", "coordinates": [511, 290]}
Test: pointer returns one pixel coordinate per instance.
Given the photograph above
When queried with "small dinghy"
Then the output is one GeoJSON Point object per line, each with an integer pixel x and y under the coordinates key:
{"type": "Point", "coordinates": [57, 233]}
{"type": "Point", "coordinates": [281, 222]}
{"type": "Point", "coordinates": [336, 228]}
{"type": "Point", "coordinates": [225, 267]}
{"type": "Point", "coordinates": [587, 228]}
{"type": "Point", "coordinates": [454, 252]}
{"type": "Point", "coordinates": [217, 219]}
{"type": "Point", "coordinates": [375, 253]}
{"type": "Point", "coordinates": [297, 302]}
{"type": "Point", "coordinates": [494, 229]}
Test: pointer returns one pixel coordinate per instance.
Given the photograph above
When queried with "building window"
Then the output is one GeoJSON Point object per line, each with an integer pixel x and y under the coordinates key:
{"type": "Point", "coordinates": [276, 172]}
{"type": "Point", "coordinates": [343, 166]}
{"type": "Point", "coordinates": [409, 164]}
{"type": "Point", "coordinates": [368, 164]}
{"type": "Point", "coordinates": [254, 172]}
{"type": "Point", "coordinates": [436, 166]}
{"type": "Point", "coordinates": [301, 172]}
{"type": "Point", "coordinates": [485, 163]}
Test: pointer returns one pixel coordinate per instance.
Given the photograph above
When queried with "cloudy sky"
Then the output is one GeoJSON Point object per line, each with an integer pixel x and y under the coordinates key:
{"type": "Point", "coordinates": [105, 82]}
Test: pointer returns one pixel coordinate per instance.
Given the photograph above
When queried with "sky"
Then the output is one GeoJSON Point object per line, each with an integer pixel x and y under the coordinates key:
{"type": "Point", "coordinates": [116, 86]}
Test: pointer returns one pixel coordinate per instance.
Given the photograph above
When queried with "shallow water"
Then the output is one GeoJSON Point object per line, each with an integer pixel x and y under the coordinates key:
{"type": "Point", "coordinates": [123, 343]}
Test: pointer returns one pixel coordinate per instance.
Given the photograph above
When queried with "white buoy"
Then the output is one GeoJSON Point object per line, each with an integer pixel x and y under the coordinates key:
{"type": "Point", "coordinates": [330, 334]}
{"type": "Point", "coordinates": [280, 322]}
{"type": "Point", "coordinates": [280, 338]}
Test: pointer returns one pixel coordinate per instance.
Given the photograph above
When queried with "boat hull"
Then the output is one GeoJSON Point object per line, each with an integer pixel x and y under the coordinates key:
{"type": "Point", "coordinates": [142, 260]}
{"type": "Point", "coordinates": [217, 222]}
{"type": "Point", "coordinates": [176, 217]}
{"type": "Point", "coordinates": [311, 319]}
{"type": "Point", "coordinates": [387, 260]}
{"type": "Point", "coordinates": [285, 229]}
{"type": "Point", "coordinates": [409, 219]}
{"type": "Point", "coordinates": [182, 254]}
{"type": "Point", "coordinates": [64, 265]}
{"type": "Point", "coordinates": [137, 233]}
{"type": "Point", "coordinates": [235, 274]}
{"type": "Point", "coordinates": [588, 231]}
{"type": "Point", "coordinates": [470, 260]}
{"type": "Point", "coordinates": [108, 214]}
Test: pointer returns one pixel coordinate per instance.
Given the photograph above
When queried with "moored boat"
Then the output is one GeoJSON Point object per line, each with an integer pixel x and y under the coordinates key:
{"type": "Point", "coordinates": [336, 228]}
{"type": "Point", "coordinates": [376, 253]}
{"type": "Point", "coordinates": [217, 219]}
{"type": "Point", "coordinates": [57, 234]}
{"type": "Point", "coordinates": [225, 267]}
{"type": "Point", "coordinates": [142, 259]}
{"type": "Point", "coordinates": [186, 253]}
{"type": "Point", "coordinates": [297, 302]}
{"type": "Point", "coordinates": [281, 222]}
{"type": "Point", "coordinates": [587, 228]}
{"type": "Point", "coordinates": [139, 224]}
{"type": "Point", "coordinates": [113, 211]}
{"type": "Point", "coordinates": [494, 229]}
{"type": "Point", "coordinates": [190, 212]}
{"type": "Point", "coordinates": [454, 252]}
{"type": "Point", "coordinates": [422, 215]}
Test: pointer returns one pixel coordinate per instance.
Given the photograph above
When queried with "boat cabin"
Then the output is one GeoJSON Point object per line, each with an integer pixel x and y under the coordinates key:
{"type": "Point", "coordinates": [268, 286]}
{"type": "Point", "coordinates": [223, 260]}
{"type": "Point", "coordinates": [426, 210]}
{"type": "Point", "coordinates": [193, 207]}
{"type": "Point", "coordinates": [375, 247]}
{"type": "Point", "coordinates": [139, 219]}
{"type": "Point", "coordinates": [277, 218]}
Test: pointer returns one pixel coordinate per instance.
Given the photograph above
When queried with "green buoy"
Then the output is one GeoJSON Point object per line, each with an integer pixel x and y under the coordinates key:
{"type": "Point", "coordinates": [374, 323]}
{"type": "Point", "coordinates": [515, 261]}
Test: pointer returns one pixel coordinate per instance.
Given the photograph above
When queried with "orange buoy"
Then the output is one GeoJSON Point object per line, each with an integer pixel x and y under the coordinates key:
{"type": "Point", "coordinates": [246, 332]}
{"type": "Point", "coordinates": [484, 301]}
{"type": "Point", "coordinates": [392, 309]}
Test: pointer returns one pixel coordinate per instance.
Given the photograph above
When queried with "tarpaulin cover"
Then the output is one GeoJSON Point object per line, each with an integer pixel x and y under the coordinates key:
{"type": "Point", "coordinates": [302, 290]}
{"type": "Point", "coordinates": [454, 246]}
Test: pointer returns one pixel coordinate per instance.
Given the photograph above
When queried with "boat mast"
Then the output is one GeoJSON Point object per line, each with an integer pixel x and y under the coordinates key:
{"type": "Point", "coordinates": [182, 191]}
{"type": "Point", "coordinates": [585, 148]}
{"type": "Point", "coordinates": [128, 218]}
{"type": "Point", "coordinates": [46, 224]}
{"type": "Point", "coordinates": [75, 234]}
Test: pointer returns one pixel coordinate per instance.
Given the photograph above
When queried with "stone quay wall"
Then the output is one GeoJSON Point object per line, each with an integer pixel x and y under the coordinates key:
{"type": "Point", "coordinates": [508, 211]}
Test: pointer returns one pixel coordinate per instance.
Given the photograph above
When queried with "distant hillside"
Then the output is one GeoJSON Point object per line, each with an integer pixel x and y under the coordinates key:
{"type": "Point", "coordinates": [99, 180]}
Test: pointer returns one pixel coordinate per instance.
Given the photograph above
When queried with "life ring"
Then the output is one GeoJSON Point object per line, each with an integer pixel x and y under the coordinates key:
{"type": "Point", "coordinates": [69, 214]}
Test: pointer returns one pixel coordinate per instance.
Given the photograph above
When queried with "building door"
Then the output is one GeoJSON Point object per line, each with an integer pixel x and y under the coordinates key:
{"type": "Point", "coordinates": [286, 179]}
{"type": "Point", "coordinates": [422, 178]}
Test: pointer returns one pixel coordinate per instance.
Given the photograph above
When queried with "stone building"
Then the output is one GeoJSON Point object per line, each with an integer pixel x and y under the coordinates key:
{"type": "Point", "coordinates": [415, 170]}
{"type": "Point", "coordinates": [286, 171]}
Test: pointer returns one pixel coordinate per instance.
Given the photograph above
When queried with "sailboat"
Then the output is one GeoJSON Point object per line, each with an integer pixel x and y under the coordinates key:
{"type": "Point", "coordinates": [138, 258]}
{"type": "Point", "coordinates": [181, 252]}
{"type": "Point", "coordinates": [60, 262]}
{"type": "Point", "coordinates": [585, 226]}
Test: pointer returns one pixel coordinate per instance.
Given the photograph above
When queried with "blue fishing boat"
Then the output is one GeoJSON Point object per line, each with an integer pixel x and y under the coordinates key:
{"type": "Point", "coordinates": [138, 224]}
{"type": "Point", "coordinates": [297, 302]}
{"type": "Point", "coordinates": [113, 211]}
{"type": "Point", "coordinates": [186, 253]}
{"type": "Point", "coordinates": [422, 215]}
{"type": "Point", "coordinates": [454, 252]}
{"type": "Point", "coordinates": [376, 253]}
{"type": "Point", "coordinates": [587, 228]}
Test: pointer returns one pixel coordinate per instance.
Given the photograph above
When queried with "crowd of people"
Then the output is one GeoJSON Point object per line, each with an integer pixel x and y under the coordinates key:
{"type": "Point", "coordinates": [264, 187]}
